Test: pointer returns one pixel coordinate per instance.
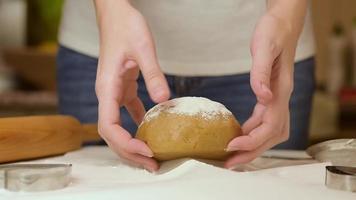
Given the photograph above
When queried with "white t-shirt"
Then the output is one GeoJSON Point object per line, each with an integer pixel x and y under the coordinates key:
{"type": "Point", "coordinates": [192, 37]}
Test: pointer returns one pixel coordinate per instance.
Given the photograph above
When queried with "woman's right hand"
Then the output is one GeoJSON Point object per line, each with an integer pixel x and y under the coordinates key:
{"type": "Point", "coordinates": [126, 47]}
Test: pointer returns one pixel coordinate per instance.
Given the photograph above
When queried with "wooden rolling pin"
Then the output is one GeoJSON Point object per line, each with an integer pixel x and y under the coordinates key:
{"type": "Point", "coordinates": [23, 138]}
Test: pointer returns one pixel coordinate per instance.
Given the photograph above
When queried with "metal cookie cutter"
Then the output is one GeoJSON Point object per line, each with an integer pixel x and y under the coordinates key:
{"type": "Point", "coordinates": [341, 178]}
{"type": "Point", "coordinates": [341, 153]}
{"type": "Point", "coordinates": [34, 177]}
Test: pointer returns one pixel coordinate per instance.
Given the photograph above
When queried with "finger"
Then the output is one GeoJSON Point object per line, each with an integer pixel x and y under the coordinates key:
{"type": "Point", "coordinates": [155, 80]}
{"type": "Point", "coordinates": [240, 158]}
{"type": "Point", "coordinates": [248, 156]}
{"type": "Point", "coordinates": [136, 109]}
{"type": "Point", "coordinates": [139, 147]}
{"type": "Point", "coordinates": [108, 110]}
{"type": "Point", "coordinates": [147, 163]}
{"type": "Point", "coordinates": [263, 56]}
{"type": "Point", "coordinates": [255, 120]}
{"type": "Point", "coordinates": [135, 159]}
{"type": "Point", "coordinates": [130, 64]}
{"type": "Point", "coordinates": [286, 129]}
{"type": "Point", "coordinates": [132, 149]}
{"type": "Point", "coordinates": [284, 82]}
{"type": "Point", "coordinates": [253, 140]}
{"type": "Point", "coordinates": [114, 134]}
{"type": "Point", "coordinates": [121, 139]}
{"type": "Point", "coordinates": [109, 89]}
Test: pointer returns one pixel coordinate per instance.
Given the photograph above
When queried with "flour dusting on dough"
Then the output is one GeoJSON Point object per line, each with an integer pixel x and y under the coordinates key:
{"type": "Point", "coordinates": [191, 106]}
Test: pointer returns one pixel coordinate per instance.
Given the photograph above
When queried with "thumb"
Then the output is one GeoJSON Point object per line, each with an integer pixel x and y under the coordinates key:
{"type": "Point", "coordinates": [260, 75]}
{"type": "Point", "coordinates": [155, 80]}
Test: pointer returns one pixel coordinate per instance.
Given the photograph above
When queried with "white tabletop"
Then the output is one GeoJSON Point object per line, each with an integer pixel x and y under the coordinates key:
{"type": "Point", "coordinates": [99, 174]}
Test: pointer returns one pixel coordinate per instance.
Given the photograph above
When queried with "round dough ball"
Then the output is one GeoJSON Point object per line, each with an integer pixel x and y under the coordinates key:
{"type": "Point", "coordinates": [193, 127]}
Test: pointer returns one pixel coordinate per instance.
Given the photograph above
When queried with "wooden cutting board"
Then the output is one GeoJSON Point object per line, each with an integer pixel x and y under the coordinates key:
{"type": "Point", "coordinates": [23, 138]}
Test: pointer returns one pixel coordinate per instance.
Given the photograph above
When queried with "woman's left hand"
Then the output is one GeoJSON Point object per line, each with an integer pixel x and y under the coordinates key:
{"type": "Point", "coordinates": [273, 49]}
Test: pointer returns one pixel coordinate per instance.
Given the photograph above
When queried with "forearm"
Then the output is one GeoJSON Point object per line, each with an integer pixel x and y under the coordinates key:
{"type": "Point", "coordinates": [103, 7]}
{"type": "Point", "coordinates": [292, 12]}
{"type": "Point", "coordinates": [109, 12]}
{"type": "Point", "coordinates": [111, 18]}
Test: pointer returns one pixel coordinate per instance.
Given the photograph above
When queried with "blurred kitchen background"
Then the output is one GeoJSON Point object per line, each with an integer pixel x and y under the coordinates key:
{"type": "Point", "coordinates": [28, 35]}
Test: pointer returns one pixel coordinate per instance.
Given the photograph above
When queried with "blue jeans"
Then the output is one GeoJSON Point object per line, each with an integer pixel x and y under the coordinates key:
{"type": "Point", "coordinates": [76, 89]}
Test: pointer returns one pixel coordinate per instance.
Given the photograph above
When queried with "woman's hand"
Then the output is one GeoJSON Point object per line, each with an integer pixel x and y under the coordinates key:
{"type": "Point", "coordinates": [126, 46]}
{"type": "Point", "coordinates": [273, 50]}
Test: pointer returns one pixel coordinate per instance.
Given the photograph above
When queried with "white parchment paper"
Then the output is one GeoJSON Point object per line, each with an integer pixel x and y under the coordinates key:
{"type": "Point", "coordinates": [99, 174]}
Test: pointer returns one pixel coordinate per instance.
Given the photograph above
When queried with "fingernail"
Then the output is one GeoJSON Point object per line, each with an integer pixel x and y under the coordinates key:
{"type": "Point", "coordinates": [147, 169]}
{"type": "Point", "coordinates": [147, 154]}
{"type": "Point", "coordinates": [151, 170]}
{"type": "Point", "coordinates": [163, 93]}
{"type": "Point", "coordinates": [231, 148]}
{"type": "Point", "coordinates": [160, 92]}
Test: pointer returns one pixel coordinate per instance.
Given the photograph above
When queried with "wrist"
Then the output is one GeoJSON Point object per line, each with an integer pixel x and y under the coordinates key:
{"type": "Point", "coordinates": [109, 8]}
{"type": "Point", "coordinates": [290, 13]}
